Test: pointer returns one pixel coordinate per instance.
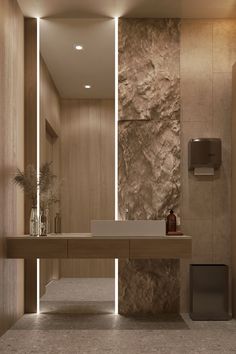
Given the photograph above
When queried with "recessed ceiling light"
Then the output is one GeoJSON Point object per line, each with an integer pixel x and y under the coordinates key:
{"type": "Point", "coordinates": [87, 86]}
{"type": "Point", "coordinates": [78, 47]}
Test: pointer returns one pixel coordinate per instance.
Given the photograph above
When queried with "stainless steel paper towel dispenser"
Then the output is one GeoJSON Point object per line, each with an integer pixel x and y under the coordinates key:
{"type": "Point", "coordinates": [204, 155]}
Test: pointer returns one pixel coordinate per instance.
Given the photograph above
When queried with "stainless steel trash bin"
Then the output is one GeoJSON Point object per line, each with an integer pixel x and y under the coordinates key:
{"type": "Point", "coordinates": [209, 294]}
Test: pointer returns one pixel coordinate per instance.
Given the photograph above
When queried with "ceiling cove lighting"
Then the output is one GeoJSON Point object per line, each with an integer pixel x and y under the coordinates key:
{"type": "Point", "coordinates": [78, 47]}
{"type": "Point", "coordinates": [87, 86]}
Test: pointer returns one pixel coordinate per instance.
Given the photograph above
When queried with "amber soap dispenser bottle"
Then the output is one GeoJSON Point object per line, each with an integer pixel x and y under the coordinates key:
{"type": "Point", "coordinates": [171, 222]}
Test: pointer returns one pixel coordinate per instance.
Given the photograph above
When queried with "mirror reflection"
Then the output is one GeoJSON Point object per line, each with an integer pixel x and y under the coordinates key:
{"type": "Point", "coordinates": [77, 147]}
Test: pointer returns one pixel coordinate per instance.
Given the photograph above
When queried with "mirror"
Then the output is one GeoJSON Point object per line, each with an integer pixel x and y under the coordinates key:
{"type": "Point", "coordinates": [77, 149]}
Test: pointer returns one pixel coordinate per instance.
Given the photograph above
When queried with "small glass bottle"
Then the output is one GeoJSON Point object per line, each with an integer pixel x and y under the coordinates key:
{"type": "Point", "coordinates": [47, 214]}
{"type": "Point", "coordinates": [43, 223]}
{"type": "Point", "coordinates": [171, 222]}
{"type": "Point", "coordinates": [57, 223]}
{"type": "Point", "coordinates": [34, 223]}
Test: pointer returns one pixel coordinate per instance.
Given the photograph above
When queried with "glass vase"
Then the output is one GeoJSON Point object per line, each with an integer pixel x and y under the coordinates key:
{"type": "Point", "coordinates": [47, 213]}
{"type": "Point", "coordinates": [44, 222]}
{"type": "Point", "coordinates": [34, 223]}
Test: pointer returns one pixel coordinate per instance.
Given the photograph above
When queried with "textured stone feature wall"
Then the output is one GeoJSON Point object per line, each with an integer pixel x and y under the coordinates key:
{"type": "Point", "coordinates": [149, 286]}
{"type": "Point", "coordinates": [149, 153]}
{"type": "Point", "coordinates": [207, 53]}
{"type": "Point", "coordinates": [149, 113]}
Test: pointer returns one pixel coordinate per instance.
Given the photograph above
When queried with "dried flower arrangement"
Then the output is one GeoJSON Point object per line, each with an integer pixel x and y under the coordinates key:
{"type": "Point", "coordinates": [29, 183]}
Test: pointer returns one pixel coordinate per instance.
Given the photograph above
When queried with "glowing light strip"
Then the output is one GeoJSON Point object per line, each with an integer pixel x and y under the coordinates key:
{"type": "Point", "coordinates": [116, 154]}
{"type": "Point", "coordinates": [38, 152]}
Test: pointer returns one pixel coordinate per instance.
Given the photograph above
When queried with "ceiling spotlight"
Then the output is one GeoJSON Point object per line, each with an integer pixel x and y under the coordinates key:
{"type": "Point", "coordinates": [87, 86]}
{"type": "Point", "coordinates": [78, 47]}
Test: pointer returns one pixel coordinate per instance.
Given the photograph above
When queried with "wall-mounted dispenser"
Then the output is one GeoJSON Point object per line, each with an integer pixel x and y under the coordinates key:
{"type": "Point", "coordinates": [204, 155]}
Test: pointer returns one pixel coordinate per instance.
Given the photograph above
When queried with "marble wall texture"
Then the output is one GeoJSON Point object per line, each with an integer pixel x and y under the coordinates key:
{"type": "Point", "coordinates": [149, 114]}
{"type": "Point", "coordinates": [149, 287]}
{"type": "Point", "coordinates": [149, 153]}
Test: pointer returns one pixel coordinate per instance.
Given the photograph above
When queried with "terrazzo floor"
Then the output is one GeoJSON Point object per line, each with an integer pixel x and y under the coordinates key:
{"type": "Point", "coordinates": [78, 321]}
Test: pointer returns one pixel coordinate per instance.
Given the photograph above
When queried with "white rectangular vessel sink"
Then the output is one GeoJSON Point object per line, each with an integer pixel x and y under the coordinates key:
{"type": "Point", "coordinates": [128, 228]}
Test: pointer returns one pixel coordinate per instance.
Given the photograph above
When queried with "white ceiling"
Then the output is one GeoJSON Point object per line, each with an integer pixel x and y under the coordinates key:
{"type": "Point", "coordinates": [130, 8]}
{"type": "Point", "coordinates": [83, 21]}
{"type": "Point", "coordinates": [70, 69]}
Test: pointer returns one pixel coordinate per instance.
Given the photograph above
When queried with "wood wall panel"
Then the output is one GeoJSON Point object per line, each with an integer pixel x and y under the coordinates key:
{"type": "Point", "coordinates": [30, 139]}
{"type": "Point", "coordinates": [87, 168]}
{"type": "Point", "coordinates": [94, 159]}
{"type": "Point", "coordinates": [30, 99]}
{"type": "Point", "coordinates": [11, 157]}
{"type": "Point", "coordinates": [107, 160]}
{"type": "Point", "coordinates": [233, 208]}
{"type": "Point", "coordinates": [49, 105]}
{"type": "Point", "coordinates": [207, 53]}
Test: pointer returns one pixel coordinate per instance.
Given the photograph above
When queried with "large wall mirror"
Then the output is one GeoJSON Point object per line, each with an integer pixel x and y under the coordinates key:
{"type": "Point", "coordinates": [77, 145]}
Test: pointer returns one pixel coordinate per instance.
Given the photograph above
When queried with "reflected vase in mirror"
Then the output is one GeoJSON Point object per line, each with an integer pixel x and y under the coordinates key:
{"type": "Point", "coordinates": [34, 224]}
{"type": "Point", "coordinates": [57, 223]}
{"type": "Point", "coordinates": [44, 222]}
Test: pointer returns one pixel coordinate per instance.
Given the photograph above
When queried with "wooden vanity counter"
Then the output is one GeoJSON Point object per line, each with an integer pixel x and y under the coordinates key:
{"type": "Point", "coordinates": [84, 245]}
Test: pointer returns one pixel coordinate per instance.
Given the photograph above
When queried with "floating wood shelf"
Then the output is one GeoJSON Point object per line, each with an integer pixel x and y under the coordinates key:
{"type": "Point", "coordinates": [86, 246]}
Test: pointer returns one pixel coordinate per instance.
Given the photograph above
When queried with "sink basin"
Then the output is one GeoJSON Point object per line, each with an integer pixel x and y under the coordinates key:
{"type": "Point", "coordinates": [128, 228]}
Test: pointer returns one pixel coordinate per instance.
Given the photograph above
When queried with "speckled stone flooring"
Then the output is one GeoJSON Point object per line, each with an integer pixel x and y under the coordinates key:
{"type": "Point", "coordinates": [80, 289]}
{"type": "Point", "coordinates": [90, 326]}
{"type": "Point", "coordinates": [79, 295]}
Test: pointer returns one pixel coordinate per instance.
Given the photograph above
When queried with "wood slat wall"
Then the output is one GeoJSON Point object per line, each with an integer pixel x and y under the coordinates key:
{"type": "Point", "coordinates": [30, 102]}
{"type": "Point", "coordinates": [11, 157]}
{"type": "Point", "coordinates": [233, 206]}
{"type": "Point", "coordinates": [30, 146]}
{"type": "Point", "coordinates": [87, 168]}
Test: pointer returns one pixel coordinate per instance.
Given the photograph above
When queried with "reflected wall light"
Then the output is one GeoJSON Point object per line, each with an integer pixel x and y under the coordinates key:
{"type": "Point", "coordinates": [116, 155]}
{"type": "Point", "coordinates": [38, 152]}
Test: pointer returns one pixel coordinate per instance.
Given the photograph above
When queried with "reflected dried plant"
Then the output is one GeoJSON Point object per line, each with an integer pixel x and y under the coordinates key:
{"type": "Point", "coordinates": [52, 196]}
{"type": "Point", "coordinates": [46, 179]}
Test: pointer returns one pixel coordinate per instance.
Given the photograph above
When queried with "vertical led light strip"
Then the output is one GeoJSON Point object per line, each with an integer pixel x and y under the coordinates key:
{"type": "Point", "coordinates": [116, 154]}
{"type": "Point", "coordinates": [38, 152]}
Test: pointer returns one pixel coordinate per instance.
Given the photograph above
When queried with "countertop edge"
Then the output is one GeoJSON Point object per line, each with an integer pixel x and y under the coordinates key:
{"type": "Point", "coordinates": [88, 236]}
